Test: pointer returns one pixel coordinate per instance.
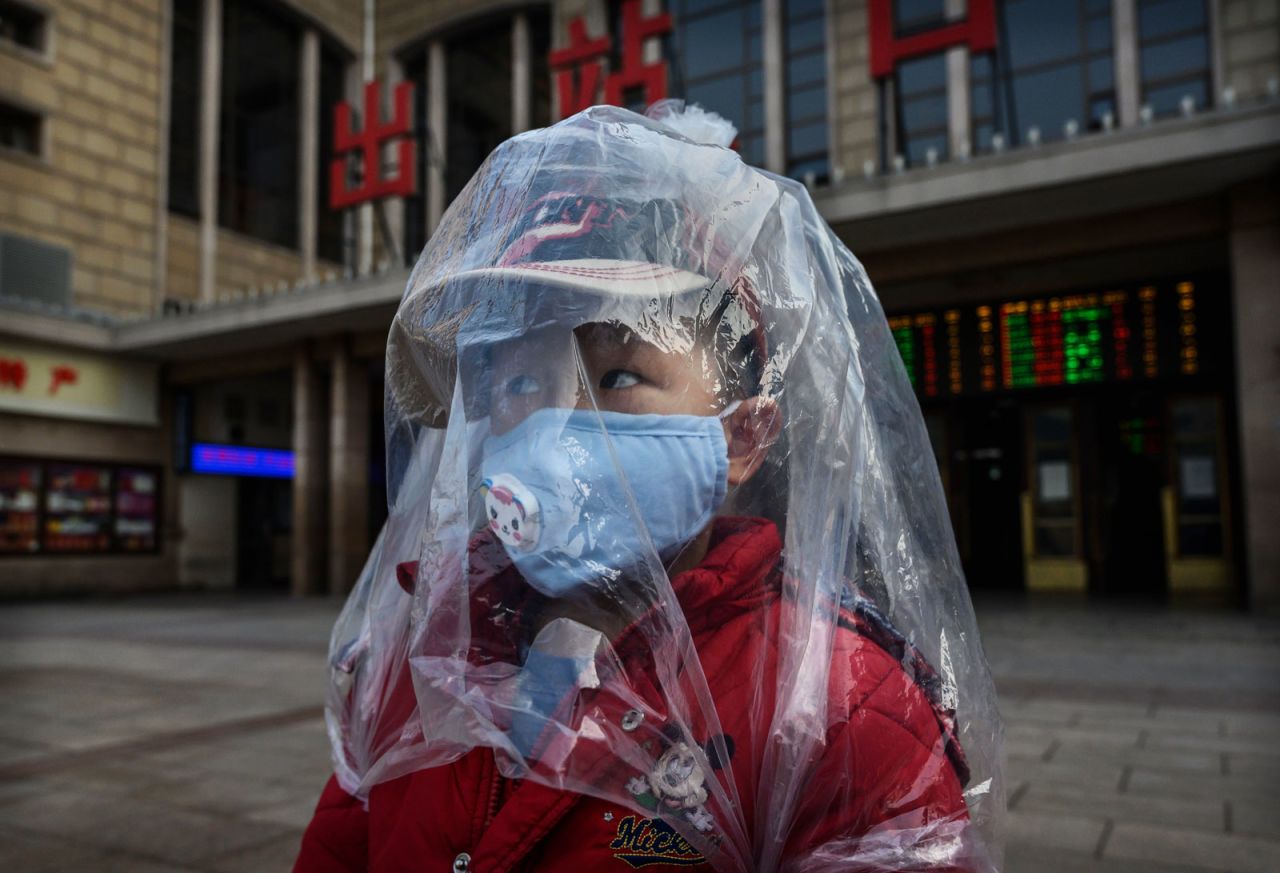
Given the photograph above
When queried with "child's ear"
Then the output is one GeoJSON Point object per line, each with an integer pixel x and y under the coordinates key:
{"type": "Point", "coordinates": [750, 430]}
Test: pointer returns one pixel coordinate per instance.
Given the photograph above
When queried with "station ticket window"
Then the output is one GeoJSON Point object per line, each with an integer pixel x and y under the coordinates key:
{"type": "Point", "coordinates": [78, 508]}
{"type": "Point", "coordinates": [1195, 505]}
{"type": "Point", "coordinates": [1051, 507]}
{"type": "Point", "coordinates": [20, 486]}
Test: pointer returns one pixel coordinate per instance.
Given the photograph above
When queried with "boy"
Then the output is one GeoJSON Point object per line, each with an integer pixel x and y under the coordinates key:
{"type": "Point", "coordinates": [591, 660]}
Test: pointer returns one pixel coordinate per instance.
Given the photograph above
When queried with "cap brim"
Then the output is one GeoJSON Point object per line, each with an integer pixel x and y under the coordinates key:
{"type": "Point", "coordinates": [628, 279]}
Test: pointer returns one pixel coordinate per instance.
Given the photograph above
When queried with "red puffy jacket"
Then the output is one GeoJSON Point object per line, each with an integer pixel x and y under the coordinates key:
{"type": "Point", "coordinates": [890, 757]}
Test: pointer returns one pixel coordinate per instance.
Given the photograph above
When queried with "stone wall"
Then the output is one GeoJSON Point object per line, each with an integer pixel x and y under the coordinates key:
{"type": "Point", "coordinates": [1250, 45]}
{"type": "Point", "coordinates": [854, 125]}
{"type": "Point", "coordinates": [94, 189]}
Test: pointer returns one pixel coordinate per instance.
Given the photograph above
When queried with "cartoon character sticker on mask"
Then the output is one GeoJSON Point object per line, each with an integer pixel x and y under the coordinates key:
{"type": "Point", "coordinates": [511, 510]}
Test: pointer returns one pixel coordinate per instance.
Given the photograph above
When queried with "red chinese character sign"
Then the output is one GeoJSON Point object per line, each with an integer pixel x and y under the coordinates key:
{"type": "Point", "coordinates": [977, 31]}
{"type": "Point", "coordinates": [578, 66]}
{"type": "Point", "coordinates": [368, 143]}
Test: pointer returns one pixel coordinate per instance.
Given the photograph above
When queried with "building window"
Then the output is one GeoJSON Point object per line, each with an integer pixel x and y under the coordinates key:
{"type": "Point", "coordinates": [1053, 66]}
{"type": "Point", "coordinates": [478, 71]}
{"type": "Point", "coordinates": [540, 74]}
{"type": "Point", "coordinates": [479, 109]}
{"type": "Point", "coordinates": [23, 26]}
{"type": "Point", "coordinates": [806, 42]}
{"type": "Point", "coordinates": [716, 61]}
{"type": "Point", "coordinates": [21, 130]}
{"type": "Point", "coordinates": [1173, 52]}
{"type": "Point", "coordinates": [333, 73]}
{"type": "Point", "coordinates": [920, 92]}
{"type": "Point", "coordinates": [427, 150]}
{"type": "Point", "coordinates": [258, 133]}
{"type": "Point", "coordinates": [185, 49]}
{"type": "Point", "coordinates": [917, 16]}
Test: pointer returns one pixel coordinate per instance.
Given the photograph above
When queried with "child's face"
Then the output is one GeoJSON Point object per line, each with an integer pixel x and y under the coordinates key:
{"type": "Point", "coordinates": [626, 374]}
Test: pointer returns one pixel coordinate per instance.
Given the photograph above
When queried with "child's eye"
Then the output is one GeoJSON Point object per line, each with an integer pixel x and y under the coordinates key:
{"type": "Point", "coordinates": [615, 379]}
{"type": "Point", "coordinates": [521, 385]}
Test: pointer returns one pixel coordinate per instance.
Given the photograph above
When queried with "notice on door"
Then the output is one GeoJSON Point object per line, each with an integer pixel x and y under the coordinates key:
{"type": "Point", "coordinates": [1054, 481]}
{"type": "Point", "coordinates": [1196, 473]}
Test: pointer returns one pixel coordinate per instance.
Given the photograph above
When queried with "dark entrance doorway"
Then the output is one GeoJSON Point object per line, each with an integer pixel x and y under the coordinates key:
{"type": "Point", "coordinates": [988, 469]}
{"type": "Point", "coordinates": [1130, 469]}
{"type": "Point", "coordinates": [265, 522]}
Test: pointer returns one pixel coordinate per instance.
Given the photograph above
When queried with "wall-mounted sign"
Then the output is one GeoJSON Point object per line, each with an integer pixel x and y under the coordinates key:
{"type": "Point", "coordinates": [578, 66]}
{"type": "Point", "coordinates": [44, 380]}
{"type": "Point", "coordinates": [368, 144]}
{"type": "Point", "coordinates": [1154, 331]}
{"type": "Point", "coordinates": [977, 31]}
{"type": "Point", "coordinates": [241, 461]}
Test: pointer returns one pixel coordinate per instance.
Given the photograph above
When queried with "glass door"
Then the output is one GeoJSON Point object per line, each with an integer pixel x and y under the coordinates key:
{"type": "Point", "coordinates": [1051, 506]}
{"type": "Point", "coordinates": [1196, 506]}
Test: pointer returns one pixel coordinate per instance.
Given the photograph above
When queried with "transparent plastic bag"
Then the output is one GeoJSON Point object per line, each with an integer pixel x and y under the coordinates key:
{"type": "Point", "coordinates": [665, 527]}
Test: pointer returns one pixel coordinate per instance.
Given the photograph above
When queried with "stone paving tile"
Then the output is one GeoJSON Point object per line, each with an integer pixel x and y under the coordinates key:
{"type": "Point", "coordinates": [1241, 787]}
{"type": "Point", "coordinates": [1198, 812]}
{"type": "Point", "coordinates": [1098, 776]}
{"type": "Point", "coordinates": [1072, 751]}
{"type": "Point", "coordinates": [178, 836]}
{"type": "Point", "coordinates": [1256, 819]}
{"type": "Point", "coordinates": [1175, 739]}
{"type": "Point", "coordinates": [35, 853]}
{"type": "Point", "coordinates": [1234, 852]}
{"type": "Point", "coordinates": [1035, 859]}
{"type": "Point", "coordinates": [274, 856]}
{"type": "Point", "coordinates": [1055, 831]}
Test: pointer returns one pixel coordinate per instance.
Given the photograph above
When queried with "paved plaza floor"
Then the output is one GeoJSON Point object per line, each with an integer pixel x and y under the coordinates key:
{"type": "Point", "coordinates": [185, 734]}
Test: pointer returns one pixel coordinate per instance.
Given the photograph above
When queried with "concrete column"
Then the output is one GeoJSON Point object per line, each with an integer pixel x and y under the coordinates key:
{"type": "Point", "coordinates": [1255, 263]}
{"type": "Point", "coordinates": [348, 469]}
{"type": "Point", "coordinates": [959, 137]}
{"type": "Point", "coordinates": [353, 92]}
{"type": "Point", "coordinates": [308, 149]}
{"type": "Point", "coordinates": [437, 121]}
{"type": "Point", "coordinates": [393, 207]}
{"type": "Point", "coordinates": [310, 472]}
{"type": "Point", "coordinates": [1124, 23]}
{"type": "Point", "coordinates": [1216, 51]}
{"type": "Point", "coordinates": [775, 87]}
{"type": "Point", "coordinates": [161, 255]}
{"type": "Point", "coordinates": [210, 97]}
{"type": "Point", "coordinates": [521, 73]}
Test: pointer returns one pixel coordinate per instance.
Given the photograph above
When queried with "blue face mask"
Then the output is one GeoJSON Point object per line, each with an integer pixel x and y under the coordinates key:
{"type": "Point", "coordinates": [554, 491]}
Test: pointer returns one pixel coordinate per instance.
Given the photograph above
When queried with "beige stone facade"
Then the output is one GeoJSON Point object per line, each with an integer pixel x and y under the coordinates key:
{"type": "Point", "coordinates": [1250, 45]}
{"type": "Point", "coordinates": [854, 133]}
{"type": "Point", "coordinates": [94, 187]}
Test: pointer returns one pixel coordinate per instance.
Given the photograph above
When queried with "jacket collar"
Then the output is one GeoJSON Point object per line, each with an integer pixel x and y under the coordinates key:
{"type": "Point", "coordinates": [736, 575]}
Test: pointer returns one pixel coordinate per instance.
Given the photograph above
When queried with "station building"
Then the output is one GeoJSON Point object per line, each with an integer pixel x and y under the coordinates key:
{"type": "Point", "coordinates": [1070, 210]}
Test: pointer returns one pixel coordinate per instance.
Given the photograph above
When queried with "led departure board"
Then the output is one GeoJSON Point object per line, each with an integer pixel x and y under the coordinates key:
{"type": "Point", "coordinates": [1149, 331]}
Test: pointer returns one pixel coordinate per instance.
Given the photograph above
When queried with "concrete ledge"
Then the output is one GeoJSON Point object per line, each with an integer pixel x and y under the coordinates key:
{"type": "Point", "coordinates": [359, 304]}
{"type": "Point", "coordinates": [1170, 160]}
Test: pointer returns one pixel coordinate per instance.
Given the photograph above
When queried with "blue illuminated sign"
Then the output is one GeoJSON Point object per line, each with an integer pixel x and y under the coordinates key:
{"type": "Point", "coordinates": [241, 461]}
